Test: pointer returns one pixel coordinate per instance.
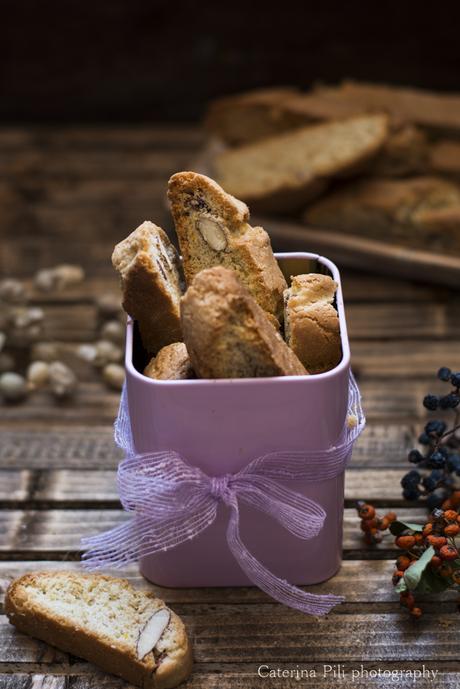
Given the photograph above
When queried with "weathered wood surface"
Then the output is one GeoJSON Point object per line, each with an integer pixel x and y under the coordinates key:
{"type": "Point", "coordinates": [68, 194]}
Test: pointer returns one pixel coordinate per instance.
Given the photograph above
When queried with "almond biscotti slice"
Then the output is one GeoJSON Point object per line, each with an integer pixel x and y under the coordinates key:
{"type": "Point", "coordinates": [171, 363]}
{"type": "Point", "coordinates": [311, 322]}
{"type": "Point", "coordinates": [213, 229]}
{"type": "Point", "coordinates": [419, 212]}
{"type": "Point", "coordinates": [105, 620]}
{"type": "Point", "coordinates": [228, 335]}
{"type": "Point", "coordinates": [284, 172]}
{"type": "Point", "coordinates": [149, 268]}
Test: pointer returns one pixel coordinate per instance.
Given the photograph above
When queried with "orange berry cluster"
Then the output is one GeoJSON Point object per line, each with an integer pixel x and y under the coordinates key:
{"type": "Point", "coordinates": [372, 524]}
{"type": "Point", "coordinates": [439, 532]}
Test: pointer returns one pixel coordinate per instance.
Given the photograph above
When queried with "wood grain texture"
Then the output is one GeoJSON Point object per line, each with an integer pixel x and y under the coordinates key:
{"type": "Point", "coordinates": [57, 531]}
{"type": "Point", "coordinates": [68, 194]}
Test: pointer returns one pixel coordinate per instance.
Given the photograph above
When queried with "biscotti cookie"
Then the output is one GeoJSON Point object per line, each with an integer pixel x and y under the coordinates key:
{"type": "Point", "coordinates": [149, 268]}
{"type": "Point", "coordinates": [227, 333]}
{"type": "Point", "coordinates": [213, 229]}
{"type": "Point", "coordinates": [246, 117]}
{"type": "Point", "coordinates": [285, 171]}
{"type": "Point", "coordinates": [171, 363]}
{"type": "Point", "coordinates": [311, 323]}
{"type": "Point", "coordinates": [105, 620]}
{"type": "Point", "coordinates": [421, 212]}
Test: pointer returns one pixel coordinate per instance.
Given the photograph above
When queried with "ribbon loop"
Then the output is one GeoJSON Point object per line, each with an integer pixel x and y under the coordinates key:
{"type": "Point", "coordinates": [172, 501]}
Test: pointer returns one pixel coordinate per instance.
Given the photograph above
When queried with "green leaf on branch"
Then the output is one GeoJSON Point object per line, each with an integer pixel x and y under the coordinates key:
{"type": "Point", "coordinates": [398, 527]}
{"type": "Point", "coordinates": [413, 574]}
{"type": "Point", "coordinates": [432, 582]}
{"type": "Point", "coordinates": [401, 586]}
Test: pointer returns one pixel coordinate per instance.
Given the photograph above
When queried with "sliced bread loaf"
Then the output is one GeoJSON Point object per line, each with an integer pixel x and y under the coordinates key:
{"type": "Point", "coordinates": [285, 171]}
{"type": "Point", "coordinates": [213, 230]}
{"type": "Point", "coordinates": [105, 620]}
{"type": "Point", "coordinates": [149, 268]}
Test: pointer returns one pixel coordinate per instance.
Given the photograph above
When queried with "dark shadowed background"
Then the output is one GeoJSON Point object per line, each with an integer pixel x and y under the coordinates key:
{"type": "Point", "coordinates": [116, 60]}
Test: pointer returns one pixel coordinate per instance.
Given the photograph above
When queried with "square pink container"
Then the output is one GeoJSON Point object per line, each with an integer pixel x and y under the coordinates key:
{"type": "Point", "coordinates": [220, 426]}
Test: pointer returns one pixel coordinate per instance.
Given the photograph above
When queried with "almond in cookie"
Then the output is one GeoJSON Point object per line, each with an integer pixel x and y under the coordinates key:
{"type": "Point", "coordinates": [213, 230]}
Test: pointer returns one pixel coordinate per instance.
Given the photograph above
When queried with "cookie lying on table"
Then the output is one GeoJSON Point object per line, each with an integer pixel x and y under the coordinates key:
{"type": "Point", "coordinates": [284, 172]}
{"type": "Point", "coordinates": [171, 363]}
{"type": "Point", "coordinates": [228, 335]}
{"type": "Point", "coordinates": [149, 268]}
{"type": "Point", "coordinates": [311, 323]}
{"type": "Point", "coordinates": [213, 229]}
{"type": "Point", "coordinates": [105, 620]}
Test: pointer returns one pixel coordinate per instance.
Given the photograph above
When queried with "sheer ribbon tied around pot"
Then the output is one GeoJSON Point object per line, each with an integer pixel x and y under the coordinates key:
{"type": "Point", "coordinates": [172, 501]}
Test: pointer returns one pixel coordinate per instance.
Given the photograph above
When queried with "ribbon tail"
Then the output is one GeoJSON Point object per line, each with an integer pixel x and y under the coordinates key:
{"type": "Point", "coordinates": [279, 589]}
{"type": "Point", "coordinates": [113, 548]}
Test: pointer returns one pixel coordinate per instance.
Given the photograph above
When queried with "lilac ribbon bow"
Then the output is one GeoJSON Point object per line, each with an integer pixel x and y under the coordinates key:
{"type": "Point", "coordinates": [173, 501]}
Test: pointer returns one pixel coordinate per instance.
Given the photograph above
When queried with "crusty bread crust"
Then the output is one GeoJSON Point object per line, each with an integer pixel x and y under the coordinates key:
{"type": "Point", "coordinates": [284, 172]}
{"type": "Point", "coordinates": [171, 363]}
{"type": "Point", "coordinates": [151, 291]}
{"type": "Point", "coordinates": [311, 322]}
{"type": "Point", "coordinates": [227, 333]}
{"type": "Point", "coordinates": [108, 653]}
{"type": "Point", "coordinates": [196, 199]}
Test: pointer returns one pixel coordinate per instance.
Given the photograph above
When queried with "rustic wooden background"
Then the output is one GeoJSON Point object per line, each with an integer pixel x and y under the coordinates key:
{"type": "Point", "coordinates": [70, 194]}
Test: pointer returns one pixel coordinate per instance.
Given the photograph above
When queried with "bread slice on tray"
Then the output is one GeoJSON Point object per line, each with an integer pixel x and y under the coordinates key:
{"type": "Point", "coordinates": [228, 335]}
{"type": "Point", "coordinates": [171, 363]}
{"type": "Point", "coordinates": [311, 323]}
{"type": "Point", "coordinates": [213, 230]}
{"type": "Point", "coordinates": [420, 212]}
{"type": "Point", "coordinates": [105, 620]}
{"type": "Point", "coordinates": [284, 172]}
{"type": "Point", "coordinates": [149, 268]}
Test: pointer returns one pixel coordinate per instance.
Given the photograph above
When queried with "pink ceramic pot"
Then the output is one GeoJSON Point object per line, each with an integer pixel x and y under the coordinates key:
{"type": "Point", "coordinates": [220, 426]}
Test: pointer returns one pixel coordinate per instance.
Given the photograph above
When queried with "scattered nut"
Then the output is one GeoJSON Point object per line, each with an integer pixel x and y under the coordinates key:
{"type": "Point", "coordinates": [12, 291]}
{"type": "Point", "coordinates": [114, 376]}
{"type": "Point", "coordinates": [59, 277]}
{"type": "Point", "coordinates": [107, 352]}
{"type": "Point", "coordinates": [63, 382]}
{"type": "Point", "coordinates": [13, 387]}
{"type": "Point", "coordinates": [38, 374]}
{"type": "Point", "coordinates": [212, 233]}
{"type": "Point", "coordinates": [152, 631]}
{"type": "Point", "coordinates": [108, 305]}
{"type": "Point", "coordinates": [24, 317]}
{"type": "Point", "coordinates": [113, 331]}
{"type": "Point", "coordinates": [87, 352]}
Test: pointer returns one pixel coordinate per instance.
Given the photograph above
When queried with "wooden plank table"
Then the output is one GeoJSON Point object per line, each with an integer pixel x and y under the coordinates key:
{"type": "Point", "coordinates": [69, 194]}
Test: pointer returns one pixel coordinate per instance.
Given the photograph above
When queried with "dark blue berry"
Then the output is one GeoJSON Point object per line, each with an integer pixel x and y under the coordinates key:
{"type": "Point", "coordinates": [424, 439]}
{"type": "Point", "coordinates": [431, 402]}
{"type": "Point", "coordinates": [437, 460]}
{"type": "Point", "coordinates": [455, 380]}
{"type": "Point", "coordinates": [412, 493]}
{"type": "Point", "coordinates": [429, 483]}
{"type": "Point", "coordinates": [449, 401]}
{"type": "Point", "coordinates": [411, 479]}
{"type": "Point", "coordinates": [453, 462]}
{"type": "Point", "coordinates": [436, 499]}
{"type": "Point", "coordinates": [415, 456]}
{"type": "Point", "coordinates": [435, 427]}
{"type": "Point", "coordinates": [444, 451]}
{"type": "Point", "coordinates": [444, 373]}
